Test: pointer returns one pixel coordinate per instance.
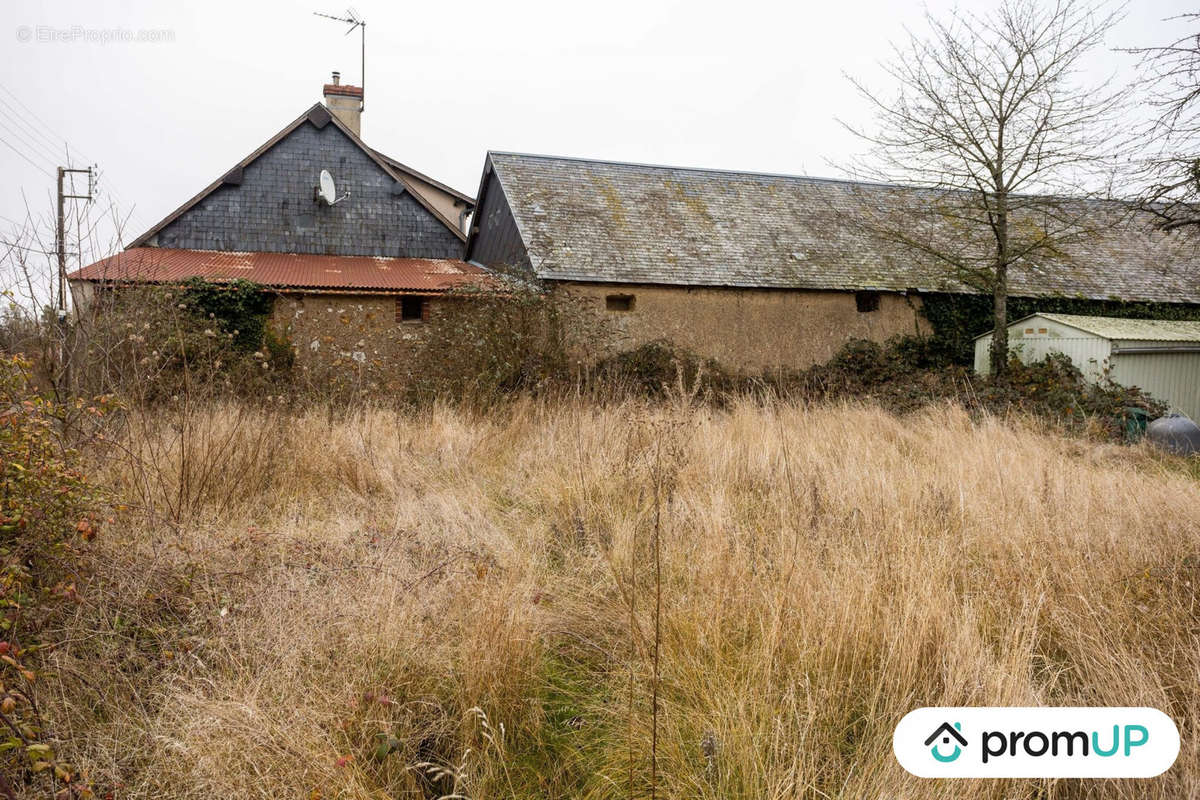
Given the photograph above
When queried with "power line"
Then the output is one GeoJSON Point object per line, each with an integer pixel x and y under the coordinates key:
{"type": "Point", "coordinates": [36, 147]}
{"type": "Point", "coordinates": [57, 135]}
{"type": "Point", "coordinates": [20, 119]}
{"type": "Point", "coordinates": [111, 185]}
{"type": "Point", "coordinates": [28, 249]}
{"type": "Point", "coordinates": [27, 158]}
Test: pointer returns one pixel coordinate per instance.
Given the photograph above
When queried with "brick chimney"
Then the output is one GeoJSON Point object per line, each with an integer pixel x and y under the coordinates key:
{"type": "Point", "coordinates": [345, 103]}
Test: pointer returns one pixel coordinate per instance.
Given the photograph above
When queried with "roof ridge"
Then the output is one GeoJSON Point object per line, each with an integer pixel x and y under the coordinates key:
{"type": "Point", "coordinates": [677, 168]}
{"type": "Point", "coordinates": [793, 177]}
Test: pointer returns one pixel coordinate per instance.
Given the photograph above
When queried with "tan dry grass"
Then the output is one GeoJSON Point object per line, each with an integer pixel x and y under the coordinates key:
{"type": "Point", "coordinates": [825, 571]}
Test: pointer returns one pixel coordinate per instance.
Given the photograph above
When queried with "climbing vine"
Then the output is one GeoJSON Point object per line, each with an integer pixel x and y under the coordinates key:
{"type": "Point", "coordinates": [241, 307]}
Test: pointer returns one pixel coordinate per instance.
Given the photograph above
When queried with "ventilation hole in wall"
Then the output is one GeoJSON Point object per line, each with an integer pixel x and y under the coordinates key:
{"type": "Point", "coordinates": [866, 301]}
{"type": "Point", "coordinates": [619, 302]}
{"type": "Point", "coordinates": [410, 308]}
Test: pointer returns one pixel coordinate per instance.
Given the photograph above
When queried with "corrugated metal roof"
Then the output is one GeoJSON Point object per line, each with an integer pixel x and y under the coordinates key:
{"type": "Point", "coordinates": [585, 220]}
{"type": "Point", "coordinates": [283, 270]}
{"type": "Point", "coordinates": [1145, 330]}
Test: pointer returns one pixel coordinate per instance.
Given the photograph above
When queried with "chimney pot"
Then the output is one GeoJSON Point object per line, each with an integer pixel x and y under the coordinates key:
{"type": "Point", "coordinates": [345, 102]}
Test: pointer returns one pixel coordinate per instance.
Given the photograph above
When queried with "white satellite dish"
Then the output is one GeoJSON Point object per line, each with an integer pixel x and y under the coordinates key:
{"type": "Point", "coordinates": [327, 191]}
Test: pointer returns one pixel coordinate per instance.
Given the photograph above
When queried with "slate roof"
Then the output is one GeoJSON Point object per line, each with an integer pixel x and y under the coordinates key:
{"type": "Point", "coordinates": [365, 274]}
{"type": "Point", "coordinates": [319, 116]}
{"type": "Point", "coordinates": [1143, 330]}
{"type": "Point", "coordinates": [603, 221]}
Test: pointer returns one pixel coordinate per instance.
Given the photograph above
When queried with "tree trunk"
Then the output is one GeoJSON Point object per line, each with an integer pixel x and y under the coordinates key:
{"type": "Point", "coordinates": [1000, 321]}
{"type": "Point", "coordinates": [1000, 290]}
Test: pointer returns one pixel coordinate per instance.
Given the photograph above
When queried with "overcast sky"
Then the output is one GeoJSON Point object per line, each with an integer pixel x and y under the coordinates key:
{"type": "Point", "coordinates": [745, 85]}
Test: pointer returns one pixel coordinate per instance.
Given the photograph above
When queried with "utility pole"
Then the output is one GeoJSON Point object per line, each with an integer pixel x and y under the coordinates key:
{"type": "Point", "coordinates": [61, 248]}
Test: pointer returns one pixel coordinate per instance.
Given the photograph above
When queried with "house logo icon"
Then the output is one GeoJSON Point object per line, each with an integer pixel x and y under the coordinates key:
{"type": "Point", "coordinates": [946, 732]}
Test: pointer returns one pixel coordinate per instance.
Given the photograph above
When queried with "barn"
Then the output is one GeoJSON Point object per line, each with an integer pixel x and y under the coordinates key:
{"type": "Point", "coordinates": [1159, 356]}
{"type": "Point", "coordinates": [760, 270]}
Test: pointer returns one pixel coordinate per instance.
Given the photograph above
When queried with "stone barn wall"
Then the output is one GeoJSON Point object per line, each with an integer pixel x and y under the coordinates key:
{"type": "Point", "coordinates": [352, 338]}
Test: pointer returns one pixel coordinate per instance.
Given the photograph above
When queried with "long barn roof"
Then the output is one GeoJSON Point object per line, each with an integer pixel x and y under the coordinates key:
{"type": "Point", "coordinates": [584, 220]}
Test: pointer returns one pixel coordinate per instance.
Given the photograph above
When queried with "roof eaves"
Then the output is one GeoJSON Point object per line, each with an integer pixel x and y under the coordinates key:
{"type": "Point", "coordinates": [212, 187]}
{"type": "Point", "coordinates": [470, 201]}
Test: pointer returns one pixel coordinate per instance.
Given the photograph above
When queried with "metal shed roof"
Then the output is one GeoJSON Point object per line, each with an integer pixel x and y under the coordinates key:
{"type": "Point", "coordinates": [1144, 330]}
{"type": "Point", "coordinates": [284, 270]}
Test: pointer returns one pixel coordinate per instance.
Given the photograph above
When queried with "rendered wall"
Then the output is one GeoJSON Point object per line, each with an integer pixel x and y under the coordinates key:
{"type": "Point", "coordinates": [752, 329]}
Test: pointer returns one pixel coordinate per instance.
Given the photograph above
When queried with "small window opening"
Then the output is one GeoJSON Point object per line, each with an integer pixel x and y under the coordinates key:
{"type": "Point", "coordinates": [410, 309]}
{"type": "Point", "coordinates": [619, 302]}
{"type": "Point", "coordinates": [866, 301]}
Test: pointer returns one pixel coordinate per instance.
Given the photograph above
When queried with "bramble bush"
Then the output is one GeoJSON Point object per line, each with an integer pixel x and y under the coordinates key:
{"type": "Point", "coordinates": [47, 508]}
{"type": "Point", "coordinates": [902, 375]}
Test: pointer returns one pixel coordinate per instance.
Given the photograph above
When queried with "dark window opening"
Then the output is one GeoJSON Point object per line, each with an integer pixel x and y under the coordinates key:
{"type": "Point", "coordinates": [619, 302]}
{"type": "Point", "coordinates": [410, 309]}
{"type": "Point", "coordinates": [866, 301]}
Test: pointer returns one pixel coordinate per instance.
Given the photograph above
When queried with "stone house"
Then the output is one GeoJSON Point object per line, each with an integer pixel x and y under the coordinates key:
{"type": "Point", "coordinates": [762, 271]}
{"type": "Point", "coordinates": [356, 279]}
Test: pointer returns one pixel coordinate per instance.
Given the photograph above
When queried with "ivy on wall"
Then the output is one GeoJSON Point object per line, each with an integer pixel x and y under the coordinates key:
{"type": "Point", "coordinates": [241, 306]}
{"type": "Point", "coordinates": [957, 319]}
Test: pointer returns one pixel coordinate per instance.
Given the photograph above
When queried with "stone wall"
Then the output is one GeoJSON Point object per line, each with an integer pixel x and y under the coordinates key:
{"type": "Point", "coordinates": [750, 329]}
{"type": "Point", "coordinates": [351, 338]}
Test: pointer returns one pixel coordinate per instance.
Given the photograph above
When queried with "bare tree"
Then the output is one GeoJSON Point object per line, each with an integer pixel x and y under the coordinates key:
{"type": "Point", "coordinates": [29, 282]}
{"type": "Point", "coordinates": [1170, 170]}
{"type": "Point", "coordinates": [991, 121]}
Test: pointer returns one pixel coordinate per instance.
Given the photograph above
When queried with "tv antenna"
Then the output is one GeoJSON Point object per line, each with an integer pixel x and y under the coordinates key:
{"type": "Point", "coordinates": [353, 19]}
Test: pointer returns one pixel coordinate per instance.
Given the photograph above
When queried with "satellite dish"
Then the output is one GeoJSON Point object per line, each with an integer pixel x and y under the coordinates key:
{"type": "Point", "coordinates": [327, 191]}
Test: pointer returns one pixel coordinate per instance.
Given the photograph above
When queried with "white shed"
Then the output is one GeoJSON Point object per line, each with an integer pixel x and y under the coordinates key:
{"type": "Point", "coordinates": [1159, 356]}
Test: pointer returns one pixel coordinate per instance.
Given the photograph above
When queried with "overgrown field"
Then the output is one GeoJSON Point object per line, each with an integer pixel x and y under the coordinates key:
{"type": "Point", "coordinates": [437, 603]}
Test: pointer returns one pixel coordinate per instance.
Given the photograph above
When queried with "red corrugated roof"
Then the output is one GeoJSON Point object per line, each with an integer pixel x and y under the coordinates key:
{"type": "Point", "coordinates": [283, 270]}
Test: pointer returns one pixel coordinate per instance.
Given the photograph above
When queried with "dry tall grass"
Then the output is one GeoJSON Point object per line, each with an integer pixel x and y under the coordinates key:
{"type": "Point", "coordinates": [413, 605]}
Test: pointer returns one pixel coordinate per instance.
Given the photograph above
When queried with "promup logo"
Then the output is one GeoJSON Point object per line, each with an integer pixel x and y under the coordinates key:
{"type": "Point", "coordinates": [946, 732]}
{"type": "Point", "coordinates": [1036, 742]}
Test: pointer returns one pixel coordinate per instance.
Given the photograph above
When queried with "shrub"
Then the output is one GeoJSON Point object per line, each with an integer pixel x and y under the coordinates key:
{"type": "Point", "coordinates": [904, 374]}
{"type": "Point", "coordinates": [512, 336]}
{"type": "Point", "coordinates": [46, 506]}
{"type": "Point", "coordinates": [660, 368]}
{"type": "Point", "coordinates": [149, 344]}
